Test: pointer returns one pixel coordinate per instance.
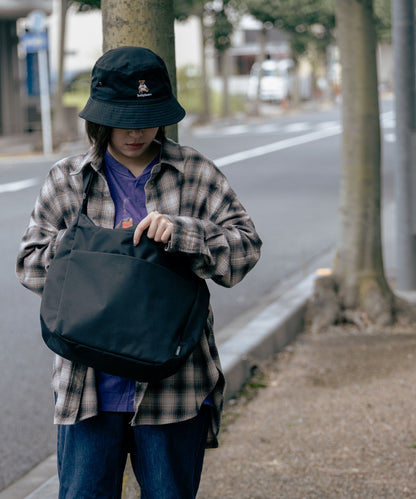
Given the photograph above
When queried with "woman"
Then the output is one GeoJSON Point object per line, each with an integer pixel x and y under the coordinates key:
{"type": "Point", "coordinates": [183, 201]}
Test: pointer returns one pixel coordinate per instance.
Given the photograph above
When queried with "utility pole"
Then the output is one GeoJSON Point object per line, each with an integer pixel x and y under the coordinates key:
{"type": "Point", "coordinates": [403, 13]}
{"type": "Point", "coordinates": [35, 40]}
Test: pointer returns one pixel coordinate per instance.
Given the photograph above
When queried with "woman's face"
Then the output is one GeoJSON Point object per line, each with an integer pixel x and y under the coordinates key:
{"type": "Point", "coordinates": [133, 147]}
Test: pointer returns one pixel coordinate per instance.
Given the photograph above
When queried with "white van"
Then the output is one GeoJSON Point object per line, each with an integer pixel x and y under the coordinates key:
{"type": "Point", "coordinates": [275, 80]}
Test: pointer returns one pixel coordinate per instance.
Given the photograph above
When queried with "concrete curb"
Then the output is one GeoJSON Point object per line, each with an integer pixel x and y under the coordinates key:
{"type": "Point", "coordinates": [36, 484]}
{"type": "Point", "coordinates": [267, 332]}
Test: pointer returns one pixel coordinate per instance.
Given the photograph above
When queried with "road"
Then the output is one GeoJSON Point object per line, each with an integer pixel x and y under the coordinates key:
{"type": "Point", "coordinates": [291, 193]}
{"type": "Point", "coordinates": [286, 174]}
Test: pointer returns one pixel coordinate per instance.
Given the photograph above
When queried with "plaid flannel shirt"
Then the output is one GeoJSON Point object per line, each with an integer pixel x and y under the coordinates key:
{"type": "Point", "coordinates": [210, 225]}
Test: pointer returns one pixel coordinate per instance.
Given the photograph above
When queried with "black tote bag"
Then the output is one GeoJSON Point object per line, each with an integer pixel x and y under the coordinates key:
{"type": "Point", "coordinates": [133, 311]}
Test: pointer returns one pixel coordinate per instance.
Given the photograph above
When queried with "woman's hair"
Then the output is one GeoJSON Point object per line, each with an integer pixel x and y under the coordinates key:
{"type": "Point", "coordinates": [99, 137]}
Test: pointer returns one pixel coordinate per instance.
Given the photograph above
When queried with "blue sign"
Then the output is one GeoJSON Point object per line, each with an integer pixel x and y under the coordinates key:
{"type": "Point", "coordinates": [36, 21]}
{"type": "Point", "coordinates": [34, 42]}
{"type": "Point", "coordinates": [32, 74]}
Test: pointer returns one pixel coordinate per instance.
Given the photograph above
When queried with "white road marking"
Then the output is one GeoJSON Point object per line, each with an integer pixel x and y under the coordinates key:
{"type": "Point", "coordinates": [267, 128]}
{"type": "Point", "coordinates": [18, 185]}
{"type": "Point", "coordinates": [325, 129]}
{"type": "Point", "coordinates": [323, 125]}
{"type": "Point", "coordinates": [300, 126]}
{"type": "Point", "coordinates": [236, 130]}
{"type": "Point", "coordinates": [390, 137]}
{"type": "Point", "coordinates": [277, 146]}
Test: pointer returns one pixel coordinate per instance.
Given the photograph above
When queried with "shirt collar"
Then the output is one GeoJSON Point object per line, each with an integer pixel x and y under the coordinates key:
{"type": "Point", "coordinates": [171, 154]}
{"type": "Point", "coordinates": [84, 160]}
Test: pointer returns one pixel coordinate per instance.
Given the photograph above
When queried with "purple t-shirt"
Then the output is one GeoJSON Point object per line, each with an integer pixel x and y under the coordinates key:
{"type": "Point", "coordinates": [127, 190]}
{"type": "Point", "coordinates": [116, 394]}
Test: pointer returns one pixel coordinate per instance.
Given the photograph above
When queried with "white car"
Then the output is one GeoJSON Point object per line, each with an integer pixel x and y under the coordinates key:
{"type": "Point", "coordinates": [275, 80]}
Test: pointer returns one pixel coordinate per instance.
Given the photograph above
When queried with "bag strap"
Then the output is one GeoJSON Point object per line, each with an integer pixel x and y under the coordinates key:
{"type": "Point", "coordinates": [86, 190]}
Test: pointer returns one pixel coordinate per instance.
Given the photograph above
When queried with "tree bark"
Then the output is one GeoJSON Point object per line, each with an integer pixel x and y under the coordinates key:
{"type": "Point", "coordinates": [358, 266]}
{"type": "Point", "coordinates": [60, 127]}
{"type": "Point", "coordinates": [255, 106]}
{"type": "Point", "coordinates": [144, 24]}
{"type": "Point", "coordinates": [205, 87]}
{"type": "Point", "coordinates": [225, 67]}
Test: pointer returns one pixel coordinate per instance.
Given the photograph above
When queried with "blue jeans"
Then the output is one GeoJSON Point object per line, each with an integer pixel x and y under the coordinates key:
{"type": "Point", "coordinates": [166, 459]}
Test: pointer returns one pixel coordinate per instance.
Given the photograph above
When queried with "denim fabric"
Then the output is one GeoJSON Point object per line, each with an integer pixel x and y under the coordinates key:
{"type": "Point", "coordinates": [167, 459]}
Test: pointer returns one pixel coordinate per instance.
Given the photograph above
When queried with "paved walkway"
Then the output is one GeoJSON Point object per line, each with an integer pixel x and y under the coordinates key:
{"type": "Point", "coordinates": [336, 419]}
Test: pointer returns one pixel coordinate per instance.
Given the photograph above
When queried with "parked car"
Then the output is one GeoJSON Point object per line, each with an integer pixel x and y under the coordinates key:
{"type": "Point", "coordinates": [275, 80]}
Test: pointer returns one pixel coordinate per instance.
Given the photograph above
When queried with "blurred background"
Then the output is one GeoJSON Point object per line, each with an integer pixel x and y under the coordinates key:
{"type": "Point", "coordinates": [231, 59]}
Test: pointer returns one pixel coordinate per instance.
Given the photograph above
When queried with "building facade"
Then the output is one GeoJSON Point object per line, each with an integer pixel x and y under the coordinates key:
{"type": "Point", "coordinates": [13, 119]}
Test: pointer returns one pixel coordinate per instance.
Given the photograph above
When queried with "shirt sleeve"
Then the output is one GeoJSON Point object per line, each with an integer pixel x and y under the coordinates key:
{"type": "Point", "coordinates": [46, 227]}
{"type": "Point", "coordinates": [222, 244]}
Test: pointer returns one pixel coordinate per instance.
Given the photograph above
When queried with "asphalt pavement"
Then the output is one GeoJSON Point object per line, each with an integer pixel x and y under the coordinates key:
{"type": "Point", "coordinates": [258, 334]}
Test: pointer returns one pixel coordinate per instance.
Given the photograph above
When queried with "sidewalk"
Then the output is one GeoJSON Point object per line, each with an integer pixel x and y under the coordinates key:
{"type": "Point", "coordinates": [336, 419]}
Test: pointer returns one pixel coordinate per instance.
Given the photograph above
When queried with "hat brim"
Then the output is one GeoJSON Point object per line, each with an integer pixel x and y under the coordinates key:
{"type": "Point", "coordinates": [133, 115]}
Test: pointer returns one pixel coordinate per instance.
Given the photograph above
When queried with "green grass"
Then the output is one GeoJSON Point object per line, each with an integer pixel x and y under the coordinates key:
{"type": "Point", "coordinates": [246, 394]}
{"type": "Point", "coordinates": [76, 98]}
{"type": "Point", "coordinates": [192, 102]}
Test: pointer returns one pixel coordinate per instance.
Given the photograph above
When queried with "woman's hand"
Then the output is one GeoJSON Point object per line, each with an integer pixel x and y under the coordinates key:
{"type": "Point", "coordinates": [159, 228]}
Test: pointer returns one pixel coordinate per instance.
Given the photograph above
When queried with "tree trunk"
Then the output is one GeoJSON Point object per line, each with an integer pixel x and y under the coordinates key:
{"type": "Point", "coordinates": [358, 266]}
{"type": "Point", "coordinates": [144, 24]}
{"type": "Point", "coordinates": [225, 66]}
{"type": "Point", "coordinates": [60, 127]}
{"type": "Point", "coordinates": [255, 106]}
{"type": "Point", "coordinates": [205, 88]}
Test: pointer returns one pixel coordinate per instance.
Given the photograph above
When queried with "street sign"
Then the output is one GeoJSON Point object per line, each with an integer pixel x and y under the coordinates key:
{"type": "Point", "coordinates": [34, 42]}
{"type": "Point", "coordinates": [36, 21]}
{"type": "Point", "coordinates": [32, 74]}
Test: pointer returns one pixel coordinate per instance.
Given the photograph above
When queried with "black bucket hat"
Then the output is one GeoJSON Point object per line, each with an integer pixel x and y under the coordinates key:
{"type": "Point", "coordinates": [130, 88]}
